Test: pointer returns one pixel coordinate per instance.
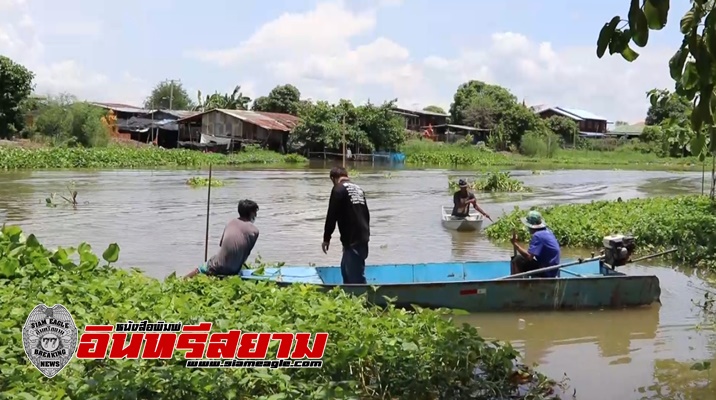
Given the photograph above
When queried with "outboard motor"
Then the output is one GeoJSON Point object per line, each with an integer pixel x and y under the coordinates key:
{"type": "Point", "coordinates": [618, 249]}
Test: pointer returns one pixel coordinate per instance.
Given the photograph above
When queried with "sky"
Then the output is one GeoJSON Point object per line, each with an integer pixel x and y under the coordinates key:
{"type": "Point", "coordinates": [417, 51]}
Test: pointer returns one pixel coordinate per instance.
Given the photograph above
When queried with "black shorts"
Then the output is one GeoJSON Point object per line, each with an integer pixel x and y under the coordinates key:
{"type": "Point", "coordinates": [525, 265]}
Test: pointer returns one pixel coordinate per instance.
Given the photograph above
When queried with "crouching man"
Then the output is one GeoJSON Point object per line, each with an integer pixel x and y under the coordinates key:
{"type": "Point", "coordinates": [237, 242]}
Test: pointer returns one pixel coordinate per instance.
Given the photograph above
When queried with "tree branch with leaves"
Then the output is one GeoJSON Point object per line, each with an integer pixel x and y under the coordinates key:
{"type": "Point", "coordinates": [692, 67]}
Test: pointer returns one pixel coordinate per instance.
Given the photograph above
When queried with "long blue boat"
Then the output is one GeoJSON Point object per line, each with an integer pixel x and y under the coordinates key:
{"type": "Point", "coordinates": [477, 287]}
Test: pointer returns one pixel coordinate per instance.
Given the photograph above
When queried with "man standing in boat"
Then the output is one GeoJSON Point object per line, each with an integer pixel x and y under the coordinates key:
{"type": "Point", "coordinates": [462, 200]}
{"type": "Point", "coordinates": [237, 241]}
{"type": "Point", "coordinates": [348, 207]}
{"type": "Point", "coordinates": [543, 249]}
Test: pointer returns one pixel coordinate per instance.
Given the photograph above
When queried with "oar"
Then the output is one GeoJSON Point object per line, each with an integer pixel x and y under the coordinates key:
{"type": "Point", "coordinates": [580, 261]}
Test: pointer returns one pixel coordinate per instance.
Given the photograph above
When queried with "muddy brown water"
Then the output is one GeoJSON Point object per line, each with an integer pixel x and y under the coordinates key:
{"type": "Point", "coordinates": [159, 223]}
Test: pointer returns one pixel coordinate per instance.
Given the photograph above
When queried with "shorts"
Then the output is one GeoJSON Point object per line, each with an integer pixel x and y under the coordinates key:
{"type": "Point", "coordinates": [204, 269]}
{"type": "Point", "coordinates": [524, 265]}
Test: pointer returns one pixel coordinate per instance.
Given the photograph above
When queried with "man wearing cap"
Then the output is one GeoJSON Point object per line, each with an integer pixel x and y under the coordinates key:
{"type": "Point", "coordinates": [462, 200]}
{"type": "Point", "coordinates": [543, 249]}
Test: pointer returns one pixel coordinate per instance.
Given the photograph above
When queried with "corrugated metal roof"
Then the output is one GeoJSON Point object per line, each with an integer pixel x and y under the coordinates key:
{"type": "Point", "coordinates": [633, 129]}
{"type": "Point", "coordinates": [591, 134]}
{"type": "Point", "coordinates": [179, 113]}
{"type": "Point", "coordinates": [256, 118]}
{"type": "Point", "coordinates": [418, 112]}
{"type": "Point", "coordinates": [122, 108]}
{"type": "Point", "coordinates": [582, 113]}
{"type": "Point", "coordinates": [288, 120]}
{"type": "Point", "coordinates": [561, 112]}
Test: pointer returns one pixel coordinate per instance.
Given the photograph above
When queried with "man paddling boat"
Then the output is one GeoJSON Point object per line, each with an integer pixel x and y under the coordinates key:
{"type": "Point", "coordinates": [462, 200]}
{"type": "Point", "coordinates": [543, 249]}
{"type": "Point", "coordinates": [348, 207]}
{"type": "Point", "coordinates": [237, 241]}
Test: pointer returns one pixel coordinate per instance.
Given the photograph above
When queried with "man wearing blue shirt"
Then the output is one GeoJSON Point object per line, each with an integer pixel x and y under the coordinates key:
{"type": "Point", "coordinates": [543, 250]}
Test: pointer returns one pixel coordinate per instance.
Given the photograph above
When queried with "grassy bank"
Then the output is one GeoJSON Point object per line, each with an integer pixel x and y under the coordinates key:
{"type": "Point", "coordinates": [371, 352]}
{"type": "Point", "coordinates": [688, 222]}
{"type": "Point", "coordinates": [117, 156]}
{"type": "Point", "coordinates": [427, 153]}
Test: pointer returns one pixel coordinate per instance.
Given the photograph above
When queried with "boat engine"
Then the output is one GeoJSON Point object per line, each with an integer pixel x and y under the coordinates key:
{"type": "Point", "coordinates": [618, 249]}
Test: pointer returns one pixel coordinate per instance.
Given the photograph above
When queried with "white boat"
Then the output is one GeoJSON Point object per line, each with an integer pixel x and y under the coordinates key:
{"type": "Point", "coordinates": [468, 224]}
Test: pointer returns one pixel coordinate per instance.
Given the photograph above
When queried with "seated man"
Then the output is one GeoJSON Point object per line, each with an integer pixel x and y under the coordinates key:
{"type": "Point", "coordinates": [462, 200]}
{"type": "Point", "coordinates": [543, 249]}
{"type": "Point", "coordinates": [237, 241]}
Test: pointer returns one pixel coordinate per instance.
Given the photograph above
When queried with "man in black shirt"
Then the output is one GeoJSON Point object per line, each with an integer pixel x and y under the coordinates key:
{"type": "Point", "coordinates": [349, 209]}
{"type": "Point", "coordinates": [462, 200]}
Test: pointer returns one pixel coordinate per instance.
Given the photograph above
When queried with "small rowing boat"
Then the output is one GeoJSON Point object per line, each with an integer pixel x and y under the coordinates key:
{"type": "Point", "coordinates": [467, 224]}
{"type": "Point", "coordinates": [488, 286]}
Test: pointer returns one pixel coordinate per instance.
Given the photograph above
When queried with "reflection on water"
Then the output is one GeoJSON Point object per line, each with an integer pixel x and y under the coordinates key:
{"type": "Point", "coordinates": [159, 223]}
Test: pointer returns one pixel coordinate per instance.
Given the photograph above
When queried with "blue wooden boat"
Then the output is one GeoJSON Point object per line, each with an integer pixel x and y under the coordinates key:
{"type": "Point", "coordinates": [476, 287]}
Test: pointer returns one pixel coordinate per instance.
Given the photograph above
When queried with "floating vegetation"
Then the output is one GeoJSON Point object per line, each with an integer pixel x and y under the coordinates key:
{"type": "Point", "coordinates": [198, 181]}
{"type": "Point", "coordinates": [493, 182]}
{"type": "Point", "coordinates": [54, 200]}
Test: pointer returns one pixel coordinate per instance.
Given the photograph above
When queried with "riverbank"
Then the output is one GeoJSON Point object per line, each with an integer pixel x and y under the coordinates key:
{"type": "Point", "coordinates": [419, 154]}
{"type": "Point", "coordinates": [119, 156]}
{"type": "Point", "coordinates": [428, 153]}
{"type": "Point", "coordinates": [686, 222]}
{"type": "Point", "coordinates": [370, 352]}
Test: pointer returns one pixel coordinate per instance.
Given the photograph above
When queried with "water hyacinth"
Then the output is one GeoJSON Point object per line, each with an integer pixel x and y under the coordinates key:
{"type": "Point", "coordinates": [371, 352]}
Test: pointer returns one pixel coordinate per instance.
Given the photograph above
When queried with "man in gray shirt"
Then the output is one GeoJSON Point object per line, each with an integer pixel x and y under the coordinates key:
{"type": "Point", "coordinates": [237, 241]}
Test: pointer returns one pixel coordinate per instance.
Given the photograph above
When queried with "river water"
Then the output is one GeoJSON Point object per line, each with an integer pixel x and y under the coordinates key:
{"type": "Point", "coordinates": [159, 223]}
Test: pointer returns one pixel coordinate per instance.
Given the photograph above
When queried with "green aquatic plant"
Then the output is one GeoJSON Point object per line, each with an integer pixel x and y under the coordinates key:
{"type": "Point", "coordinates": [199, 181]}
{"type": "Point", "coordinates": [53, 200]}
{"type": "Point", "coordinates": [687, 222]}
{"type": "Point", "coordinates": [131, 157]}
{"type": "Point", "coordinates": [371, 352]}
{"type": "Point", "coordinates": [493, 182]}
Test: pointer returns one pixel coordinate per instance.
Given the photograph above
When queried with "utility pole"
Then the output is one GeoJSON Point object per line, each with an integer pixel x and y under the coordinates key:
{"type": "Point", "coordinates": [171, 92]}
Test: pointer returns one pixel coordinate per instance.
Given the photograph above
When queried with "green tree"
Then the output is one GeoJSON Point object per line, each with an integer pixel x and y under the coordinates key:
{"type": "Point", "coordinates": [518, 120]}
{"type": "Point", "coordinates": [319, 127]}
{"type": "Point", "coordinates": [234, 101]}
{"type": "Point", "coordinates": [669, 106]}
{"type": "Point", "coordinates": [384, 129]}
{"type": "Point", "coordinates": [564, 127]}
{"type": "Point", "coordinates": [482, 111]}
{"type": "Point", "coordinates": [468, 91]}
{"type": "Point", "coordinates": [67, 122]}
{"type": "Point", "coordinates": [368, 127]}
{"type": "Point", "coordinates": [169, 95]}
{"type": "Point", "coordinates": [282, 99]}
{"type": "Point", "coordinates": [16, 84]}
{"type": "Point", "coordinates": [435, 109]}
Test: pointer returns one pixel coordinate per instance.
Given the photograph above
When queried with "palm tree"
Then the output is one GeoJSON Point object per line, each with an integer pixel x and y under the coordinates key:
{"type": "Point", "coordinates": [235, 101]}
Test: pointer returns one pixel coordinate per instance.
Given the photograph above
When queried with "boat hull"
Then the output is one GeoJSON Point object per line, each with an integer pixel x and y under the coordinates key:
{"type": "Point", "coordinates": [473, 287]}
{"type": "Point", "coordinates": [523, 294]}
{"type": "Point", "coordinates": [470, 224]}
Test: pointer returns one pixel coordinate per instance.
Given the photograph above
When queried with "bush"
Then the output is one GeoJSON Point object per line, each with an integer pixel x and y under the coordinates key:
{"type": "Point", "coordinates": [427, 152]}
{"type": "Point", "coordinates": [371, 352]}
{"type": "Point", "coordinates": [688, 222]}
{"type": "Point", "coordinates": [67, 122]}
{"type": "Point", "coordinates": [542, 143]}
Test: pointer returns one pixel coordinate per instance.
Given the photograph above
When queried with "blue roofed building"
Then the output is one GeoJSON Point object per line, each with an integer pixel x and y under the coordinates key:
{"type": "Point", "coordinates": [590, 124]}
